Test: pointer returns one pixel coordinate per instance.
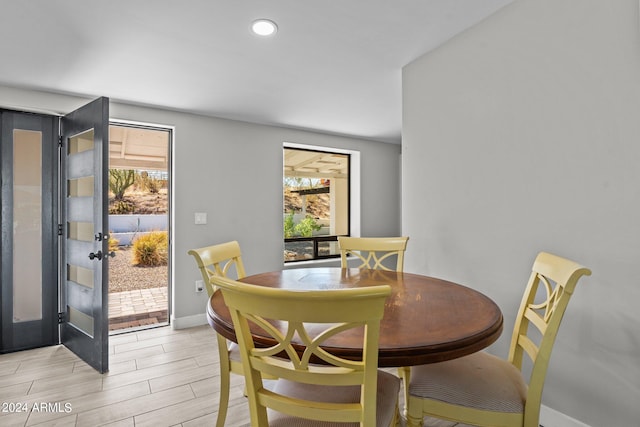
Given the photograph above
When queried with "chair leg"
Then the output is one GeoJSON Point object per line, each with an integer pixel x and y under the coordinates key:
{"type": "Point", "coordinates": [405, 374]}
{"type": "Point", "coordinates": [396, 418]}
{"type": "Point", "coordinates": [412, 422]}
{"type": "Point", "coordinates": [415, 417]}
{"type": "Point", "coordinates": [225, 380]}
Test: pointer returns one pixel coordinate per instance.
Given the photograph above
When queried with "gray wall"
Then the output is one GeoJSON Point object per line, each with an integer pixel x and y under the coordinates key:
{"type": "Point", "coordinates": [522, 135]}
{"type": "Point", "coordinates": [233, 171]}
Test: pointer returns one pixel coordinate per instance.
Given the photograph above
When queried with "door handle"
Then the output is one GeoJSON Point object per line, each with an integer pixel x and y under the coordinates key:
{"type": "Point", "coordinates": [100, 237]}
{"type": "Point", "coordinates": [98, 255]}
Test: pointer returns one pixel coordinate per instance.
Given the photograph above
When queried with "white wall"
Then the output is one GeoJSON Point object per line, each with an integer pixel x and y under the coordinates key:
{"type": "Point", "coordinates": [233, 171]}
{"type": "Point", "coordinates": [523, 134]}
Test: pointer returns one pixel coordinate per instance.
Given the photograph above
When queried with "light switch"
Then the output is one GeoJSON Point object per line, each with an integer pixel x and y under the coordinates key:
{"type": "Point", "coordinates": [201, 217]}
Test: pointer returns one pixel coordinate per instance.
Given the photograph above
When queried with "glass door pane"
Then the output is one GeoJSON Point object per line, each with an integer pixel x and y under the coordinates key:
{"type": "Point", "coordinates": [27, 225]}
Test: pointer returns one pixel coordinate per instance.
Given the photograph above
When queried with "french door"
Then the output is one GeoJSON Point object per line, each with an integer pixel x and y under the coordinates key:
{"type": "Point", "coordinates": [55, 232]}
{"type": "Point", "coordinates": [28, 248]}
{"type": "Point", "coordinates": [84, 245]}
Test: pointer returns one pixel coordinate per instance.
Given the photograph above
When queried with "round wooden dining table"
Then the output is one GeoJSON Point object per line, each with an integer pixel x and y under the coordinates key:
{"type": "Point", "coordinates": [425, 320]}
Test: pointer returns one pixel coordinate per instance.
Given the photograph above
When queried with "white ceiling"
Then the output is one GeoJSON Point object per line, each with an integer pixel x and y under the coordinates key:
{"type": "Point", "coordinates": [334, 66]}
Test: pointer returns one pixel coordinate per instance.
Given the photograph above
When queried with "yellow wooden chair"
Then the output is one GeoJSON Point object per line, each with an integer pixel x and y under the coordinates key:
{"type": "Point", "coordinates": [485, 390]}
{"type": "Point", "coordinates": [311, 394]}
{"type": "Point", "coordinates": [372, 251]}
{"type": "Point", "coordinates": [220, 260]}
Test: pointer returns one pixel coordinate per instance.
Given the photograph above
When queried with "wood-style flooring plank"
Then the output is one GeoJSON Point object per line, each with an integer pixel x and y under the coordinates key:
{"type": "Point", "coordinates": [99, 399]}
{"type": "Point", "coordinates": [136, 406]}
{"type": "Point", "coordinates": [127, 422]}
{"type": "Point", "coordinates": [34, 372]}
{"type": "Point", "coordinates": [8, 367]}
{"type": "Point", "coordinates": [178, 413]}
{"type": "Point", "coordinates": [65, 421]}
{"type": "Point", "coordinates": [182, 353]}
{"type": "Point", "coordinates": [172, 368]}
{"type": "Point", "coordinates": [136, 354]}
{"type": "Point", "coordinates": [14, 391]}
{"type": "Point", "coordinates": [65, 381]}
{"type": "Point", "coordinates": [13, 419]}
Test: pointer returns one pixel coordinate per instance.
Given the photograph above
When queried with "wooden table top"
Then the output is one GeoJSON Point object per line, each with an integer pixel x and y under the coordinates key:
{"type": "Point", "coordinates": [426, 319]}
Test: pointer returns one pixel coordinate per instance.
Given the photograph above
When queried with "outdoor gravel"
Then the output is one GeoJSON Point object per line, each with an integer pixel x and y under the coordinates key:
{"type": "Point", "coordinates": [123, 276]}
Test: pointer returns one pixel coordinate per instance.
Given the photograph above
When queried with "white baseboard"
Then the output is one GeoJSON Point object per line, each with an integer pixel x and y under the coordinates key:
{"type": "Point", "coordinates": [188, 321]}
{"type": "Point", "coordinates": [552, 418]}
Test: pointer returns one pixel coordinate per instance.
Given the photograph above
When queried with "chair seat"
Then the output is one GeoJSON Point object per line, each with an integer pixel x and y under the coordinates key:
{"type": "Point", "coordinates": [480, 381]}
{"type": "Point", "coordinates": [388, 387]}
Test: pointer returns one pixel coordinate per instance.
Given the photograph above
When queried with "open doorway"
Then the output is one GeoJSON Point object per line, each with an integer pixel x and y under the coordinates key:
{"type": "Point", "coordinates": [138, 226]}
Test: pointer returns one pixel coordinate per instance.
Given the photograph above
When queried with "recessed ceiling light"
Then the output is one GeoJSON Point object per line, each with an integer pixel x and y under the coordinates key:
{"type": "Point", "coordinates": [264, 27]}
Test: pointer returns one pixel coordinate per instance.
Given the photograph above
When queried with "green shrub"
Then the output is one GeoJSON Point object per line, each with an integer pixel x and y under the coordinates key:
{"type": "Point", "coordinates": [150, 250]}
{"type": "Point", "coordinates": [289, 226]}
{"type": "Point", "coordinates": [307, 226]}
{"type": "Point", "coordinates": [304, 228]}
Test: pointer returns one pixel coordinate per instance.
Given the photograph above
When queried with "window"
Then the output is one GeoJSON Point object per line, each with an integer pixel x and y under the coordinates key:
{"type": "Point", "coordinates": [316, 193]}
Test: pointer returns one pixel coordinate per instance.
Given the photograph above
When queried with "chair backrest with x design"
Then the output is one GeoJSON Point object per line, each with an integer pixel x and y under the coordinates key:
{"type": "Point", "coordinates": [299, 323]}
{"type": "Point", "coordinates": [373, 252]}
{"type": "Point", "coordinates": [558, 278]}
{"type": "Point", "coordinates": [218, 260]}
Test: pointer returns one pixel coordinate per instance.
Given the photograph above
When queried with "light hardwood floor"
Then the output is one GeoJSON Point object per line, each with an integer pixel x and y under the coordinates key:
{"type": "Point", "coordinates": [157, 377]}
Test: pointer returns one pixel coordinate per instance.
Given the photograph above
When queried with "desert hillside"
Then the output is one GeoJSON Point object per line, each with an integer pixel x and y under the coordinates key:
{"type": "Point", "coordinates": [317, 204]}
{"type": "Point", "coordinates": [145, 203]}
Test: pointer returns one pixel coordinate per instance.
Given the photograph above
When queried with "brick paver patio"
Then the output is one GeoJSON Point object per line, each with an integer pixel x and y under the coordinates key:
{"type": "Point", "coordinates": [137, 308]}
